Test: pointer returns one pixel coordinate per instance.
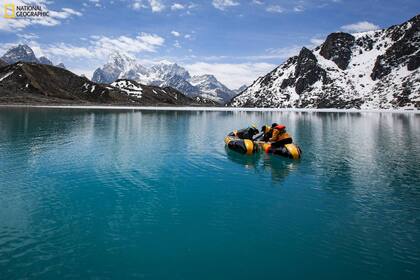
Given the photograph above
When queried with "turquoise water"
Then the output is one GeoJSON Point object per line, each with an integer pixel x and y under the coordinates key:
{"type": "Point", "coordinates": [154, 194]}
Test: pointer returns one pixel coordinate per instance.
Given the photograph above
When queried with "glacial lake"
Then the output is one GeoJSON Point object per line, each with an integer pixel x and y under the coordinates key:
{"type": "Point", "coordinates": [155, 195]}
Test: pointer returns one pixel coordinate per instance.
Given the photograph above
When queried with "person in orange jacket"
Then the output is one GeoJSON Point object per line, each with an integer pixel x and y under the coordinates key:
{"type": "Point", "coordinates": [280, 137]}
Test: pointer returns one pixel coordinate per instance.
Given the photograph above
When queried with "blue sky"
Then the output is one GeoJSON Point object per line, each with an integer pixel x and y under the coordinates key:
{"type": "Point", "coordinates": [237, 40]}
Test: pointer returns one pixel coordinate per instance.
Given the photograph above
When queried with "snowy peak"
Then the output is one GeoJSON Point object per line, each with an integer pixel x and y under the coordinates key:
{"type": "Point", "coordinates": [211, 88]}
{"type": "Point", "coordinates": [369, 70]}
{"type": "Point", "coordinates": [163, 74]}
{"type": "Point", "coordinates": [19, 53]}
{"type": "Point", "coordinates": [118, 66]}
{"type": "Point", "coordinates": [202, 79]}
{"type": "Point", "coordinates": [124, 63]}
{"type": "Point", "coordinates": [169, 70]}
{"type": "Point", "coordinates": [404, 50]}
{"type": "Point", "coordinates": [24, 53]}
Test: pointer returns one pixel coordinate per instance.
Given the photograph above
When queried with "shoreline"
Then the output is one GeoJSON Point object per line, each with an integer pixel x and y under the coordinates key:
{"type": "Point", "coordinates": [209, 109]}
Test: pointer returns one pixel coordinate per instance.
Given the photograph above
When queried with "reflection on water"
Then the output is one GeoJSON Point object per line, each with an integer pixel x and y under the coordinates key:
{"type": "Point", "coordinates": [248, 161]}
{"type": "Point", "coordinates": [264, 164]}
{"type": "Point", "coordinates": [279, 168]}
{"type": "Point", "coordinates": [120, 194]}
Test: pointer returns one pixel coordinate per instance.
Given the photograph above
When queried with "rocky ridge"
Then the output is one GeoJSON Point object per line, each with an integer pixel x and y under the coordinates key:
{"type": "Point", "coordinates": [370, 70]}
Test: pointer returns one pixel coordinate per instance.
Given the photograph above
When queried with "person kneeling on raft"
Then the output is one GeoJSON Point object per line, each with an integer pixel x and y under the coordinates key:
{"type": "Point", "coordinates": [246, 133]}
{"type": "Point", "coordinates": [267, 132]}
{"type": "Point", "coordinates": [279, 136]}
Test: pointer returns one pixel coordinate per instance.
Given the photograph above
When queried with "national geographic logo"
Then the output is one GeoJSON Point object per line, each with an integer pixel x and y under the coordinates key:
{"type": "Point", "coordinates": [9, 11]}
{"type": "Point", "coordinates": [24, 11]}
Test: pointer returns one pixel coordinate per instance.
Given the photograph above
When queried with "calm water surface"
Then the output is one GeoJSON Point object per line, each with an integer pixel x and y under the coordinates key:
{"type": "Point", "coordinates": [122, 194]}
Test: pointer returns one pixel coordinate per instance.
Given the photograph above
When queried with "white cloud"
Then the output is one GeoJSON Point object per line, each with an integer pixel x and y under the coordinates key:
{"type": "Point", "coordinates": [224, 4]}
{"type": "Point", "coordinates": [36, 47]}
{"type": "Point", "coordinates": [281, 53]}
{"type": "Point", "coordinates": [257, 2]}
{"type": "Point", "coordinates": [64, 13]}
{"type": "Point", "coordinates": [138, 4]}
{"type": "Point", "coordinates": [88, 72]}
{"type": "Point", "coordinates": [316, 41]}
{"type": "Point", "coordinates": [175, 33]}
{"type": "Point", "coordinates": [298, 9]}
{"type": "Point", "coordinates": [68, 51]}
{"type": "Point", "coordinates": [275, 9]}
{"type": "Point", "coordinates": [4, 47]}
{"type": "Point", "coordinates": [177, 6]}
{"type": "Point", "coordinates": [177, 44]}
{"type": "Point", "coordinates": [28, 36]}
{"type": "Point", "coordinates": [361, 26]}
{"type": "Point", "coordinates": [232, 75]}
{"type": "Point", "coordinates": [144, 42]}
{"type": "Point", "coordinates": [100, 47]}
{"type": "Point", "coordinates": [270, 54]}
{"type": "Point", "coordinates": [156, 5]}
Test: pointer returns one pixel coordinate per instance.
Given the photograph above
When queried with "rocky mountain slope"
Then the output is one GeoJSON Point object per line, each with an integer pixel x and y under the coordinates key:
{"type": "Point", "coordinates": [38, 83]}
{"type": "Point", "coordinates": [2, 63]}
{"type": "Point", "coordinates": [155, 95]}
{"type": "Point", "coordinates": [162, 74]}
{"type": "Point", "coordinates": [25, 54]}
{"type": "Point", "coordinates": [369, 70]}
{"type": "Point", "coordinates": [33, 83]}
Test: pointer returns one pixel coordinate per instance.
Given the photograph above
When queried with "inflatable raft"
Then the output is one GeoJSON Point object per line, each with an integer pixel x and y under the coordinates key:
{"type": "Point", "coordinates": [291, 151]}
{"type": "Point", "coordinates": [243, 142]}
{"type": "Point", "coordinates": [244, 146]}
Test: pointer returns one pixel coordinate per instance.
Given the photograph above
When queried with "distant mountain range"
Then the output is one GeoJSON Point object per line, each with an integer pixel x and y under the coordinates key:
{"type": "Point", "coordinates": [24, 78]}
{"type": "Point", "coordinates": [370, 70]}
{"type": "Point", "coordinates": [34, 83]}
{"type": "Point", "coordinates": [24, 53]}
{"type": "Point", "coordinates": [120, 66]}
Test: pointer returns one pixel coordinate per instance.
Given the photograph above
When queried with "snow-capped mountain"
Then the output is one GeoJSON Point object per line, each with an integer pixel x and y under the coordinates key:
{"type": "Point", "coordinates": [20, 53]}
{"type": "Point", "coordinates": [24, 53]}
{"type": "Point", "coordinates": [118, 66]}
{"type": "Point", "coordinates": [370, 70]}
{"type": "Point", "coordinates": [163, 74]}
{"type": "Point", "coordinates": [211, 88]}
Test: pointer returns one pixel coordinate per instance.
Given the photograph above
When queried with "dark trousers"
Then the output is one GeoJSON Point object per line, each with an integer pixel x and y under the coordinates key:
{"type": "Point", "coordinates": [281, 143]}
